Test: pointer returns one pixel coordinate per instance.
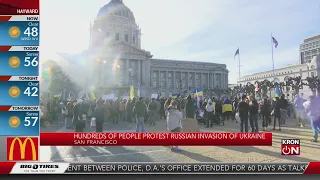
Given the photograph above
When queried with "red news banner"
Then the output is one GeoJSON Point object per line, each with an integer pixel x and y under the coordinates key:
{"type": "Point", "coordinates": [19, 7]}
{"type": "Point", "coordinates": [156, 139]}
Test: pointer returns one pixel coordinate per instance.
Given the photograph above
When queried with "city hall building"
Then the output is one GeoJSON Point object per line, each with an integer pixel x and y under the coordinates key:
{"type": "Point", "coordinates": [118, 60]}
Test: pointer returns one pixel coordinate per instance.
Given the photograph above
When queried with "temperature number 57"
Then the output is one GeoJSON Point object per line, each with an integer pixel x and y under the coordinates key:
{"type": "Point", "coordinates": [30, 121]}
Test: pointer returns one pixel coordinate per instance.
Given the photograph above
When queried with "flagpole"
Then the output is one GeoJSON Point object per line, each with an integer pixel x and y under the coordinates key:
{"type": "Point", "coordinates": [272, 55]}
{"type": "Point", "coordinates": [239, 65]}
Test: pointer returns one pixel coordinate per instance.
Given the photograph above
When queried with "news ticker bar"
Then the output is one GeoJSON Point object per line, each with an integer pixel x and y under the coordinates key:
{"type": "Point", "coordinates": [160, 168]}
{"type": "Point", "coordinates": [156, 139]}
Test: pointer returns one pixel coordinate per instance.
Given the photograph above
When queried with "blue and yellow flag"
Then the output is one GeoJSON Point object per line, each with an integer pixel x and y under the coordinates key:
{"type": "Point", "coordinates": [174, 96]}
{"type": "Point", "coordinates": [277, 93]}
{"type": "Point", "coordinates": [58, 95]}
{"type": "Point", "coordinates": [131, 91]}
{"type": "Point", "coordinates": [199, 92]}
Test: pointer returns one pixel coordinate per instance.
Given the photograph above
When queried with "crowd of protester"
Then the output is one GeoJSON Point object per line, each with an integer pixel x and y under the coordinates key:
{"type": "Point", "coordinates": [185, 114]}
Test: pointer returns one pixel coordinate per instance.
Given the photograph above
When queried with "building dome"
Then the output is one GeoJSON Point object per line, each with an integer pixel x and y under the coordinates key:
{"type": "Point", "coordinates": [115, 7]}
{"type": "Point", "coordinates": [115, 22]}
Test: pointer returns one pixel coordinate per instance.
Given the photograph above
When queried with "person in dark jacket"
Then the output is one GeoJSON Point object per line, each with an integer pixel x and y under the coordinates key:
{"type": "Point", "coordinates": [265, 111]}
{"type": "Point", "coordinates": [139, 111]}
{"type": "Point", "coordinates": [190, 124]}
{"type": "Point", "coordinates": [99, 115]}
{"type": "Point", "coordinates": [243, 109]}
{"type": "Point", "coordinates": [276, 113]}
{"type": "Point", "coordinates": [69, 115]}
{"type": "Point", "coordinates": [254, 112]}
{"type": "Point", "coordinates": [283, 109]}
{"type": "Point", "coordinates": [78, 122]}
{"type": "Point", "coordinates": [153, 107]}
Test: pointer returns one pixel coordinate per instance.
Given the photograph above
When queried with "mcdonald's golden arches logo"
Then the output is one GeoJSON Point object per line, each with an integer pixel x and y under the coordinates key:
{"type": "Point", "coordinates": [22, 148]}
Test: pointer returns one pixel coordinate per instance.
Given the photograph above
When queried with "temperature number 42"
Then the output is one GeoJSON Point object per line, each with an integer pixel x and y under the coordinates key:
{"type": "Point", "coordinates": [31, 91]}
{"type": "Point", "coordinates": [30, 121]}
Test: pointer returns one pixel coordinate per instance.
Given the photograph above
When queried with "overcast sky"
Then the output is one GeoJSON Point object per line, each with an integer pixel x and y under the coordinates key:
{"type": "Point", "coordinates": [195, 30]}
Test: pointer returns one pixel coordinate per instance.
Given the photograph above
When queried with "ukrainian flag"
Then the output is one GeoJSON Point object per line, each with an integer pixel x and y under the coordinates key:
{"type": "Point", "coordinates": [227, 106]}
{"type": "Point", "coordinates": [139, 91]}
{"type": "Point", "coordinates": [131, 91]}
{"type": "Point", "coordinates": [199, 92]}
{"type": "Point", "coordinates": [277, 93]}
{"type": "Point", "coordinates": [174, 96]}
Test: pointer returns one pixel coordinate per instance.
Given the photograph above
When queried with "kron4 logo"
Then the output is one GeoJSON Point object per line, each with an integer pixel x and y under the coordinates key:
{"type": "Point", "coordinates": [290, 147]}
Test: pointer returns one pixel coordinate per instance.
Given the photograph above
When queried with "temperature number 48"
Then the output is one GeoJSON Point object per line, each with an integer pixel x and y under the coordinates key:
{"type": "Point", "coordinates": [30, 121]}
{"type": "Point", "coordinates": [31, 31]}
{"type": "Point", "coordinates": [31, 91]}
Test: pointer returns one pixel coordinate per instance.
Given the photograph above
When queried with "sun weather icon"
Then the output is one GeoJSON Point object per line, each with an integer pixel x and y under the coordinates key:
{"type": "Point", "coordinates": [14, 92]}
{"type": "Point", "coordinates": [14, 62]}
{"type": "Point", "coordinates": [14, 121]}
{"type": "Point", "coordinates": [14, 32]}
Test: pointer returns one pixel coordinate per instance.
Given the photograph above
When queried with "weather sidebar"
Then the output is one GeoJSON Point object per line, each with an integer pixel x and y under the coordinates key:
{"type": "Point", "coordinates": [19, 79]}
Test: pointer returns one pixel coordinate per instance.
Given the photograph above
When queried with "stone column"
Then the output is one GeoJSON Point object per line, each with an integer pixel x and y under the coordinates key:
{"type": "Point", "coordinates": [213, 80]}
{"type": "Point", "coordinates": [187, 82]}
{"type": "Point", "coordinates": [227, 83]}
{"type": "Point", "coordinates": [194, 80]}
{"type": "Point", "coordinates": [200, 76]}
{"type": "Point", "coordinates": [208, 81]}
{"type": "Point", "coordinates": [158, 79]}
{"type": "Point", "coordinates": [139, 70]}
{"type": "Point", "coordinates": [166, 80]}
{"type": "Point", "coordinates": [174, 79]}
{"type": "Point", "coordinates": [127, 75]}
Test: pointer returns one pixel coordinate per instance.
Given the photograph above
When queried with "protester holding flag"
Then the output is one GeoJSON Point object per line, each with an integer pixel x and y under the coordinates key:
{"type": "Point", "coordinates": [227, 108]}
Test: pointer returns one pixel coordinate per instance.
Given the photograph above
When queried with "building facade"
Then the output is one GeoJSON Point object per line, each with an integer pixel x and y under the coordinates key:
{"type": "Point", "coordinates": [280, 75]}
{"type": "Point", "coordinates": [118, 60]}
{"type": "Point", "coordinates": [309, 48]}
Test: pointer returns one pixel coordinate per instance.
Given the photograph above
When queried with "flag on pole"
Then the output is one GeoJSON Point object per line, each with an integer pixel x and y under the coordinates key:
{"type": "Point", "coordinates": [275, 42]}
{"type": "Point", "coordinates": [131, 91]}
{"type": "Point", "coordinates": [237, 53]}
{"type": "Point", "coordinates": [139, 91]}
